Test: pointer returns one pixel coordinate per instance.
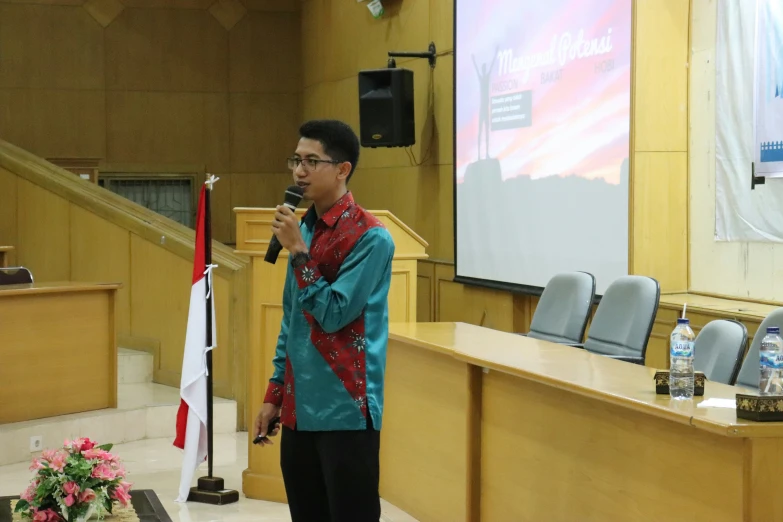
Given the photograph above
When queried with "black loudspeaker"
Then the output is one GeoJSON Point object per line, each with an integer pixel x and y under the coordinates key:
{"type": "Point", "coordinates": [386, 108]}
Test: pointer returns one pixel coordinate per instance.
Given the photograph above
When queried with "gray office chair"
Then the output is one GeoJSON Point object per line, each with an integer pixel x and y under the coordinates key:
{"type": "Point", "coordinates": [15, 275]}
{"type": "Point", "coordinates": [624, 319]}
{"type": "Point", "coordinates": [564, 308]}
{"type": "Point", "coordinates": [719, 348]}
{"type": "Point", "coordinates": [749, 371]}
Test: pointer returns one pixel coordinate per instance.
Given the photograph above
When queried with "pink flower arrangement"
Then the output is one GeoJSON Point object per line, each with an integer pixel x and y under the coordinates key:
{"type": "Point", "coordinates": [74, 482]}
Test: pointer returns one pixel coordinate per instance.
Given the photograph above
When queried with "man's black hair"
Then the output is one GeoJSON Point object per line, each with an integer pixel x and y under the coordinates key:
{"type": "Point", "coordinates": [338, 139]}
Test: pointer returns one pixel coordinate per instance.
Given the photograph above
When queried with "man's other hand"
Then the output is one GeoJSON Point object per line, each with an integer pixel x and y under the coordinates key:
{"type": "Point", "coordinates": [268, 412]}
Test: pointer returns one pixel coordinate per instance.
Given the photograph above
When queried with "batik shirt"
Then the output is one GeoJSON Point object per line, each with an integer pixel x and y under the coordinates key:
{"type": "Point", "coordinates": [331, 351]}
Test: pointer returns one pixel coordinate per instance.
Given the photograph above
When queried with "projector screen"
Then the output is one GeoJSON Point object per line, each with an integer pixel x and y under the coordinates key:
{"type": "Point", "coordinates": [542, 123]}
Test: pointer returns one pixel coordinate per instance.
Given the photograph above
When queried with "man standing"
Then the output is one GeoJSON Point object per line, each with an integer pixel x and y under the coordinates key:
{"type": "Point", "coordinates": [331, 352]}
{"type": "Point", "coordinates": [484, 77]}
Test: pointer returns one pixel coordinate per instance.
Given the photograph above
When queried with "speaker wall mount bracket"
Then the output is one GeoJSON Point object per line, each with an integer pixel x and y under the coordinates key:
{"type": "Point", "coordinates": [429, 54]}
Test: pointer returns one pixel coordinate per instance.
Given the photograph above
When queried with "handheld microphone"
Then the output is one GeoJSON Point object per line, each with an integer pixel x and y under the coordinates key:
{"type": "Point", "coordinates": [293, 196]}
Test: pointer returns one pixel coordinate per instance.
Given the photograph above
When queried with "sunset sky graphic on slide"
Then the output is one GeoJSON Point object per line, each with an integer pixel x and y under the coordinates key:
{"type": "Point", "coordinates": [581, 121]}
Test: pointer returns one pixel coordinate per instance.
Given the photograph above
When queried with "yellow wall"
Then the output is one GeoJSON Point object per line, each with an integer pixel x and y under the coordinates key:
{"type": "Point", "coordinates": [148, 86]}
{"type": "Point", "coordinates": [742, 269]}
{"type": "Point", "coordinates": [193, 87]}
{"type": "Point", "coordinates": [422, 196]}
{"type": "Point", "coordinates": [659, 137]}
{"type": "Point", "coordinates": [347, 40]}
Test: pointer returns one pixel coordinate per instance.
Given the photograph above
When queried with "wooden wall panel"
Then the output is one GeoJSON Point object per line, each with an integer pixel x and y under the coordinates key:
{"type": "Point", "coordinates": [259, 63]}
{"type": "Point", "coordinates": [441, 148]}
{"type": "Point", "coordinates": [30, 61]}
{"type": "Point", "coordinates": [660, 225]}
{"type": "Point", "coordinates": [43, 232]}
{"type": "Point", "coordinates": [100, 253]}
{"type": "Point", "coordinates": [272, 5]}
{"type": "Point", "coordinates": [661, 75]}
{"type": "Point", "coordinates": [489, 308]}
{"type": "Point", "coordinates": [216, 133]}
{"type": "Point", "coordinates": [335, 53]}
{"type": "Point", "coordinates": [166, 50]}
{"type": "Point", "coordinates": [155, 127]}
{"type": "Point", "coordinates": [442, 245]}
{"type": "Point", "coordinates": [399, 298]}
{"type": "Point", "coordinates": [169, 128]}
{"type": "Point", "coordinates": [54, 123]}
{"type": "Point", "coordinates": [455, 302]}
{"type": "Point", "coordinates": [168, 4]}
{"type": "Point", "coordinates": [442, 24]}
{"type": "Point", "coordinates": [659, 164]}
{"type": "Point", "coordinates": [222, 210]}
{"type": "Point", "coordinates": [46, 2]}
{"type": "Point", "coordinates": [424, 307]}
{"type": "Point", "coordinates": [264, 130]}
{"type": "Point", "coordinates": [146, 84]}
{"type": "Point", "coordinates": [159, 281]}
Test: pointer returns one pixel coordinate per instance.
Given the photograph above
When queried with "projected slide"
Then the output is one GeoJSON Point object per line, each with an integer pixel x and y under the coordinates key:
{"type": "Point", "coordinates": [542, 121]}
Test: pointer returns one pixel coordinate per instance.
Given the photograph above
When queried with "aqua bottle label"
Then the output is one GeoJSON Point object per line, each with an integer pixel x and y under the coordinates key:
{"type": "Point", "coordinates": [771, 360]}
{"type": "Point", "coordinates": [682, 349]}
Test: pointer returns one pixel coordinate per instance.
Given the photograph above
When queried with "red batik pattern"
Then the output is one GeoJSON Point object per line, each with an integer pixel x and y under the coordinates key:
{"type": "Point", "coordinates": [344, 351]}
{"type": "Point", "coordinates": [336, 233]}
{"type": "Point", "coordinates": [283, 396]}
{"type": "Point", "coordinates": [288, 413]}
{"type": "Point", "coordinates": [274, 394]}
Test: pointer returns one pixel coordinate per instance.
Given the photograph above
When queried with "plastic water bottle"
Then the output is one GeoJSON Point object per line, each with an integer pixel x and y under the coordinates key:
{"type": "Point", "coordinates": [771, 359]}
{"type": "Point", "coordinates": [681, 361]}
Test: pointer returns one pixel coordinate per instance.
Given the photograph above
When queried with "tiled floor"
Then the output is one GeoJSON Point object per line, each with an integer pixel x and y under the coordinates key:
{"type": "Point", "coordinates": [155, 464]}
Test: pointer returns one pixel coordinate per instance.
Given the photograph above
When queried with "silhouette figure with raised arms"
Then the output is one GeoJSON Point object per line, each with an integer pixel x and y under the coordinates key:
{"type": "Point", "coordinates": [484, 123]}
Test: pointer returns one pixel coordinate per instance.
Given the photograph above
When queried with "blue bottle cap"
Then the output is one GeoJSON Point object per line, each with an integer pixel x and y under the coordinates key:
{"type": "Point", "coordinates": [683, 320]}
{"type": "Point", "coordinates": [773, 330]}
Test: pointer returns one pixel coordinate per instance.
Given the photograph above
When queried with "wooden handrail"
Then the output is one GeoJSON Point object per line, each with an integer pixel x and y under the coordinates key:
{"type": "Point", "coordinates": [116, 209]}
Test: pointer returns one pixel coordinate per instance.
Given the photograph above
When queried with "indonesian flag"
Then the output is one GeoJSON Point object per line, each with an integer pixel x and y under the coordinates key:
{"type": "Point", "coordinates": [192, 415]}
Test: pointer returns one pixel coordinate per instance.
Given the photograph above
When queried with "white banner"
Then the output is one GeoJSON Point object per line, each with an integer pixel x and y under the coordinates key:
{"type": "Point", "coordinates": [768, 90]}
{"type": "Point", "coordinates": [741, 214]}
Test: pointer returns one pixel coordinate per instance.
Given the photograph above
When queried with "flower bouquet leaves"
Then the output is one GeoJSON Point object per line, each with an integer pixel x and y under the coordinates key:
{"type": "Point", "coordinates": [75, 483]}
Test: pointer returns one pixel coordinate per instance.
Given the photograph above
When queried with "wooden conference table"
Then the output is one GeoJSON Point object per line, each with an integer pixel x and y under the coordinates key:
{"type": "Point", "coordinates": [485, 425]}
{"type": "Point", "coordinates": [58, 350]}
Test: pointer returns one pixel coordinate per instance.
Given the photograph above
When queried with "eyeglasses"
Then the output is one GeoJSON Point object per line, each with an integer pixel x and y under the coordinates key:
{"type": "Point", "coordinates": [308, 163]}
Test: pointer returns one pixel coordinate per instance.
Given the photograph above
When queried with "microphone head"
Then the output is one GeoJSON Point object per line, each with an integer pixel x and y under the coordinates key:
{"type": "Point", "coordinates": [293, 196]}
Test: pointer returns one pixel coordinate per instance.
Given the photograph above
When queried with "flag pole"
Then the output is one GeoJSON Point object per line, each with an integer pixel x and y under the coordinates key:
{"type": "Point", "coordinates": [210, 489]}
{"type": "Point", "coordinates": [208, 262]}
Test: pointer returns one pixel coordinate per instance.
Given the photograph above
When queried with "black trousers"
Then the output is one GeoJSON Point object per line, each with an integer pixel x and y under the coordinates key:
{"type": "Point", "coordinates": [332, 476]}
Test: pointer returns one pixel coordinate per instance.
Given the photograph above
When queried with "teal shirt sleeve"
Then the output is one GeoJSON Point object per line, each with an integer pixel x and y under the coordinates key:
{"type": "Point", "coordinates": [336, 305]}
{"type": "Point", "coordinates": [274, 393]}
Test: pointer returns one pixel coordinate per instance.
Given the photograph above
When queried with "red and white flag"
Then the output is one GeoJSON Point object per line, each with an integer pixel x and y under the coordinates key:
{"type": "Point", "coordinates": [192, 415]}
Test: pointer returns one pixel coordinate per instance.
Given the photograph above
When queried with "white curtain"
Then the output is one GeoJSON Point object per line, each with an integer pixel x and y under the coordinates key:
{"type": "Point", "coordinates": [741, 214]}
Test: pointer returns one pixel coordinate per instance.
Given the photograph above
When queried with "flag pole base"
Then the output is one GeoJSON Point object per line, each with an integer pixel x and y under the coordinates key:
{"type": "Point", "coordinates": [210, 490]}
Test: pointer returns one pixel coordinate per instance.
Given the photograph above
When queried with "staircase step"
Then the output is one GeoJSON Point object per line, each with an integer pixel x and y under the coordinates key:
{"type": "Point", "coordinates": [134, 366]}
{"type": "Point", "coordinates": [145, 411]}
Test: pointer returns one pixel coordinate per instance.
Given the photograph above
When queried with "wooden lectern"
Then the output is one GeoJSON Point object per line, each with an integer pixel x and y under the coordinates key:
{"type": "Point", "coordinates": [263, 479]}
